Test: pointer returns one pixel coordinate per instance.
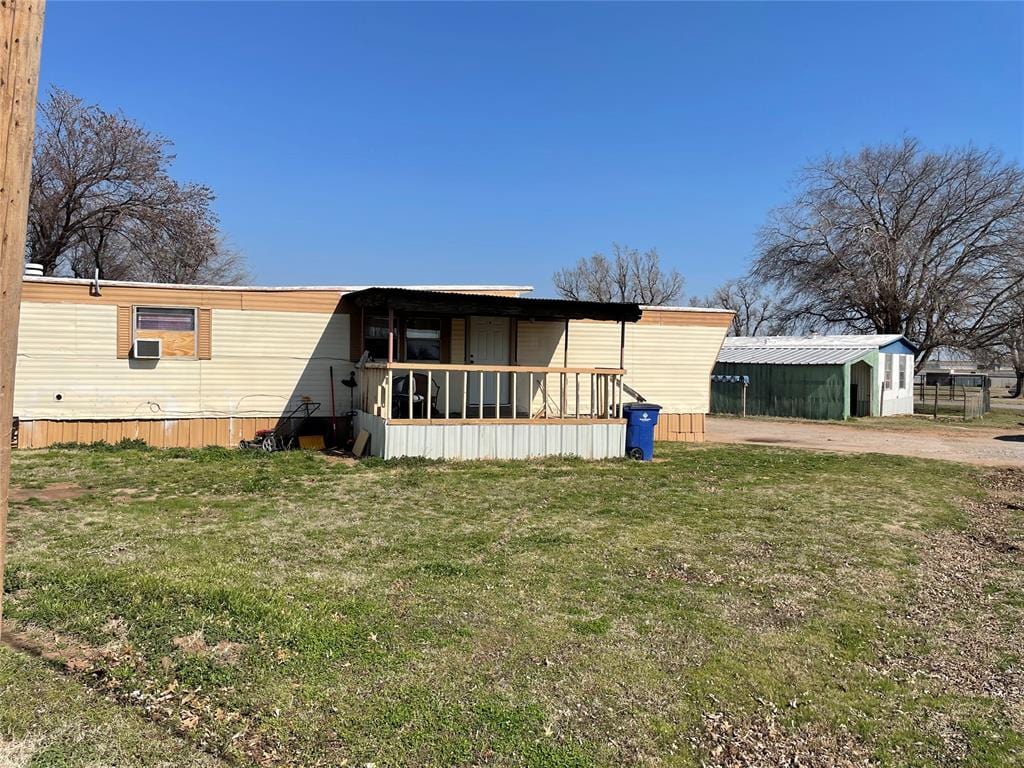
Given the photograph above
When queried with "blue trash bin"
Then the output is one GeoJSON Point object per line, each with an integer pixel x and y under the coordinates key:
{"type": "Point", "coordinates": [640, 421]}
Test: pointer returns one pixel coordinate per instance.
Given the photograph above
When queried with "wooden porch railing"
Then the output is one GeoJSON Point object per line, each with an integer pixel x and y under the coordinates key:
{"type": "Point", "coordinates": [439, 392]}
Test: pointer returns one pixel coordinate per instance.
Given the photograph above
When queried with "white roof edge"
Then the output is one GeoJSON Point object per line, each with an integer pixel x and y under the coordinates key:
{"type": "Point", "coordinates": [339, 288]}
{"type": "Point", "coordinates": [714, 310]}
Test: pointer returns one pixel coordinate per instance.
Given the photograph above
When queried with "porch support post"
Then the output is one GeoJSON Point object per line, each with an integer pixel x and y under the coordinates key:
{"type": "Point", "coordinates": [562, 377]}
{"type": "Point", "coordinates": [391, 335]}
{"type": "Point", "coordinates": [565, 347]}
{"type": "Point", "coordinates": [622, 344]}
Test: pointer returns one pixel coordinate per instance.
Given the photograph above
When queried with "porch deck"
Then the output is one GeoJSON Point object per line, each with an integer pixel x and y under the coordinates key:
{"type": "Point", "coordinates": [491, 411]}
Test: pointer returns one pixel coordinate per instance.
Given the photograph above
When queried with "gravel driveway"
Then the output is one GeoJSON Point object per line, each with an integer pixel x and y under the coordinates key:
{"type": "Point", "coordinates": [984, 447]}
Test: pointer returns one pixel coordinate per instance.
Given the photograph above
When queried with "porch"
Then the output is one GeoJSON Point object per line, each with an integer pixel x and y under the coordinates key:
{"type": "Point", "coordinates": [470, 376]}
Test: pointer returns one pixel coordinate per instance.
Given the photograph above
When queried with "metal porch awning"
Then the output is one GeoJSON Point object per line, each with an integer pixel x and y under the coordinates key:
{"type": "Point", "coordinates": [448, 303]}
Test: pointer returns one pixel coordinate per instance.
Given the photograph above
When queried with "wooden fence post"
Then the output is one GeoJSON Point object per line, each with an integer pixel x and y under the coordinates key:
{"type": "Point", "coordinates": [935, 403]}
{"type": "Point", "coordinates": [21, 25]}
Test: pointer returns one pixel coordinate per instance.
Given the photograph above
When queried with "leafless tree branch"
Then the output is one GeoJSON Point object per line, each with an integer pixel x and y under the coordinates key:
{"type": "Point", "coordinates": [758, 311]}
{"type": "Point", "coordinates": [102, 198]}
{"type": "Point", "coordinates": [896, 239]}
{"type": "Point", "coordinates": [628, 275]}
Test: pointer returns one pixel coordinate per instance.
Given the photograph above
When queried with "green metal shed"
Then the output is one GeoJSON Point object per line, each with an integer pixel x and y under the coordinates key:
{"type": "Point", "coordinates": [805, 382]}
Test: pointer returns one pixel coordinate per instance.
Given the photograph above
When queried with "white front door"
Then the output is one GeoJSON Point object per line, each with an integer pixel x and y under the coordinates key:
{"type": "Point", "coordinates": [488, 345]}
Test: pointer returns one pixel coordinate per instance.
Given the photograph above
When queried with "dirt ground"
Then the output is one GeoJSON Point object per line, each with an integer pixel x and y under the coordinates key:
{"type": "Point", "coordinates": [984, 447]}
{"type": "Point", "coordinates": [52, 492]}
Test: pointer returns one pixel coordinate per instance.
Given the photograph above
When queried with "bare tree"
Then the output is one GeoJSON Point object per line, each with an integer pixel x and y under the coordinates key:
{"type": "Point", "coordinates": [628, 275]}
{"type": "Point", "coordinates": [102, 198]}
{"type": "Point", "coordinates": [758, 311]}
{"type": "Point", "coordinates": [895, 239]}
{"type": "Point", "coordinates": [1009, 347]}
{"type": "Point", "coordinates": [1015, 353]}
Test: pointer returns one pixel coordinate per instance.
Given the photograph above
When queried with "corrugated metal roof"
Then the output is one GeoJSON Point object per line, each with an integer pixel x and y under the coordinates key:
{"type": "Point", "coordinates": [791, 355]}
{"type": "Point", "coordinates": [835, 341]}
{"type": "Point", "coordinates": [804, 350]}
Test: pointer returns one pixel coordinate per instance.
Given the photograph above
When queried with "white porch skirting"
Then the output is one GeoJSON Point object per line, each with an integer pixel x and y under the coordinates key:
{"type": "Point", "coordinates": [503, 440]}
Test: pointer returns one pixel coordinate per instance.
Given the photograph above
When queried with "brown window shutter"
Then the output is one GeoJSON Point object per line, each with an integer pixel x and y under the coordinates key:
{"type": "Point", "coordinates": [205, 344]}
{"type": "Point", "coordinates": [124, 332]}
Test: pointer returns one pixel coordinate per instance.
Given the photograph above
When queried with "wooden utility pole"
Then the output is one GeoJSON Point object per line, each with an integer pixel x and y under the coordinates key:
{"type": "Point", "coordinates": [21, 36]}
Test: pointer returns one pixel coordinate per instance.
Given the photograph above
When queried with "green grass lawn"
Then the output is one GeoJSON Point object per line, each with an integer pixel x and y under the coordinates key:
{"type": "Point", "coordinates": [197, 607]}
{"type": "Point", "coordinates": [997, 418]}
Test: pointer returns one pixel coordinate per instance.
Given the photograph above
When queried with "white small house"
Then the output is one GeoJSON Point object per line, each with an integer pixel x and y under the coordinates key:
{"type": "Point", "coordinates": [895, 383]}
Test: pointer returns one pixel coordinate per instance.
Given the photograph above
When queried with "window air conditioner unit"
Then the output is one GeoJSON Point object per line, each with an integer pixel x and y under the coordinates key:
{"type": "Point", "coordinates": [146, 349]}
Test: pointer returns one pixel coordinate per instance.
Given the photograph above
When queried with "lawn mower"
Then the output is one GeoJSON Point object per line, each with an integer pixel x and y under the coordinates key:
{"type": "Point", "coordinates": [284, 436]}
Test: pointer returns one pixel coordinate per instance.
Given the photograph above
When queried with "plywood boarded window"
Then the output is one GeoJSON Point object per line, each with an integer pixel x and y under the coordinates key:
{"type": "Point", "coordinates": [175, 327]}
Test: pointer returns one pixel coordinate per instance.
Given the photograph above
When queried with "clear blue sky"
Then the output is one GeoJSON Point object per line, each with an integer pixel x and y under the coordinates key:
{"type": "Point", "coordinates": [392, 143]}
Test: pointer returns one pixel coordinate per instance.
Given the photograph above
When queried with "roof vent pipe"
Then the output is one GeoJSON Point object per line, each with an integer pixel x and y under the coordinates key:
{"type": "Point", "coordinates": [32, 269]}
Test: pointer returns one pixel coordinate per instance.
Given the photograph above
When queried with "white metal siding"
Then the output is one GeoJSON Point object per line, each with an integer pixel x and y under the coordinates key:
{"type": "Point", "coordinates": [896, 401]}
{"type": "Point", "coordinates": [499, 441]}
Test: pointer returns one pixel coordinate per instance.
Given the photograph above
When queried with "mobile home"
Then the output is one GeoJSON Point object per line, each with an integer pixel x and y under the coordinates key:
{"type": "Point", "coordinates": [441, 371]}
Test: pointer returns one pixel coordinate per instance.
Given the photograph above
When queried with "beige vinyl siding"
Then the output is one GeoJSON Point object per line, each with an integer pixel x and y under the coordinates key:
{"type": "Point", "coordinates": [260, 361]}
{"type": "Point", "coordinates": [458, 340]}
{"type": "Point", "coordinates": [668, 364]}
{"type": "Point", "coordinates": [592, 345]}
{"type": "Point", "coordinates": [671, 365]}
{"type": "Point", "coordinates": [540, 343]}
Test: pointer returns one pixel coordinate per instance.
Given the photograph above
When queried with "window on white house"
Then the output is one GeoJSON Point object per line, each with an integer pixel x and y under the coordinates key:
{"type": "Point", "coordinates": [887, 366]}
{"type": "Point", "coordinates": [904, 364]}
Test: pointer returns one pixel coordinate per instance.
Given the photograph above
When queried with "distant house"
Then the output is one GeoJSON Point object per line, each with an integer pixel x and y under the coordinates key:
{"type": "Point", "coordinates": [947, 366]}
{"type": "Point", "coordinates": [443, 371]}
{"type": "Point", "coordinates": [815, 377]}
